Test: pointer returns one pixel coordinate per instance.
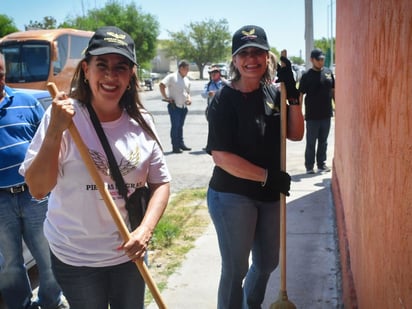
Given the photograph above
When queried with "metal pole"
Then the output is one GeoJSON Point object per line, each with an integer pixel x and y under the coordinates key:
{"type": "Point", "coordinates": [331, 34]}
{"type": "Point", "coordinates": [308, 31]}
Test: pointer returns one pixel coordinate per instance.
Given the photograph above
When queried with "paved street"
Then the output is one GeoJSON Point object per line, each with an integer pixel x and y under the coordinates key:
{"type": "Point", "coordinates": [190, 169]}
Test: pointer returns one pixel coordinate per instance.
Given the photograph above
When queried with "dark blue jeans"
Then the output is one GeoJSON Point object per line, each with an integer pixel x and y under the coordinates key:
{"type": "Point", "coordinates": [177, 120]}
{"type": "Point", "coordinates": [21, 217]}
{"type": "Point", "coordinates": [316, 130]}
{"type": "Point", "coordinates": [120, 286]}
{"type": "Point", "coordinates": [244, 225]}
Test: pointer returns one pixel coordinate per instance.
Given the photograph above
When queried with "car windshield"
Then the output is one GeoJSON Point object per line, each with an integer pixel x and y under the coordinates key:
{"type": "Point", "coordinates": [26, 62]}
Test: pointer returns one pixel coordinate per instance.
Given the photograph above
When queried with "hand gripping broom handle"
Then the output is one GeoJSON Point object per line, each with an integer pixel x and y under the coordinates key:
{"type": "Point", "coordinates": [111, 206]}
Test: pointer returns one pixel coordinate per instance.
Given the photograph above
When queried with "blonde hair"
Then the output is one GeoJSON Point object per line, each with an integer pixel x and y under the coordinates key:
{"type": "Point", "coordinates": [273, 65]}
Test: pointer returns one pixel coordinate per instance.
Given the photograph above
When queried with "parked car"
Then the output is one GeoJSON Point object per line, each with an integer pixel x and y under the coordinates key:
{"type": "Point", "coordinates": [147, 79]}
{"type": "Point", "coordinates": [298, 71]}
{"type": "Point", "coordinates": [42, 96]}
{"type": "Point", "coordinates": [224, 71]}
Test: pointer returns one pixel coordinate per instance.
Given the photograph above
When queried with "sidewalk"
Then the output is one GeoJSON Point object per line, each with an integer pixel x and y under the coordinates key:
{"type": "Point", "coordinates": [313, 274]}
{"type": "Point", "coordinates": [312, 264]}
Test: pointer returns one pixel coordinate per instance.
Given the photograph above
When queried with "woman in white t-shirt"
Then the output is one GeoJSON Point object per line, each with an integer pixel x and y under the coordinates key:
{"type": "Point", "coordinates": [90, 261]}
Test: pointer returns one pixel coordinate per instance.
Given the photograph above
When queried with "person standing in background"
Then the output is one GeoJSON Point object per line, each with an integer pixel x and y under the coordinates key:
{"type": "Point", "coordinates": [178, 98]}
{"type": "Point", "coordinates": [317, 89]}
{"type": "Point", "coordinates": [244, 191]}
{"type": "Point", "coordinates": [21, 215]}
{"type": "Point", "coordinates": [214, 84]}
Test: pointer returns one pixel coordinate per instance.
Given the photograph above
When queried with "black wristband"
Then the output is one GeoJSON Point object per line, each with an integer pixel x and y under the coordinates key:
{"type": "Point", "coordinates": [293, 101]}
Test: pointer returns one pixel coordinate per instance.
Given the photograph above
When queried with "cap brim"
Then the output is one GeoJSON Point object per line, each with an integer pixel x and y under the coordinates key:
{"type": "Point", "coordinates": [250, 45]}
{"type": "Point", "coordinates": [111, 50]}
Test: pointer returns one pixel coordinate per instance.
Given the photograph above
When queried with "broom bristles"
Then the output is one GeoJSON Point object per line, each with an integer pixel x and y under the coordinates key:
{"type": "Point", "coordinates": [283, 302]}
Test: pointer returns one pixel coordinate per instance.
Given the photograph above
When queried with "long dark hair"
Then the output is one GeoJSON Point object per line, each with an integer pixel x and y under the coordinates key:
{"type": "Point", "coordinates": [80, 90]}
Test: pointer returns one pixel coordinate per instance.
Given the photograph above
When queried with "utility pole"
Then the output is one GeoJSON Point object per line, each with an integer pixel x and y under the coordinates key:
{"type": "Point", "coordinates": [308, 31]}
{"type": "Point", "coordinates": [331, 34]}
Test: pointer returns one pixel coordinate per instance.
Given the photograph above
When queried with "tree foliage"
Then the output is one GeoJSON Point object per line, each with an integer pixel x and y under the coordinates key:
{"type": "Point", "coordinates": [48, 22]}
{"type": "Point", "coordinates": [201, 42]}
{"type": "Point", "coordinates": [323, 44]}
{"type": "Point", "coordinates": [6, 25]}
{"type": "Point", "coordinates": [297, 60]}
{"type": "Point", "coordinates": [143, 28]}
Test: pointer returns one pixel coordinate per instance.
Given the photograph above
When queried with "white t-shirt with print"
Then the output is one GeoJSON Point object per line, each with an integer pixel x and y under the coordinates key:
{"type": "Point", "coordinates": [78, 225]}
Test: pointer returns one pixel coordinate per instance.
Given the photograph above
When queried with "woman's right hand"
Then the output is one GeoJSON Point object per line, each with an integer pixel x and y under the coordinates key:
{"type": "Point", "coordinates": [62, 112]}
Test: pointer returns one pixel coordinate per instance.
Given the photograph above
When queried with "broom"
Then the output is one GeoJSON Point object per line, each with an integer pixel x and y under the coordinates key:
{"type": "Point", "coordinates": [283, 302]}
{"type": "Point", "coordinates": [111, 206]}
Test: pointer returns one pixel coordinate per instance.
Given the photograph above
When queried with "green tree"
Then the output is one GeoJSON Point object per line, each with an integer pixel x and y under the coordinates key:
{"type": "Point", "coordinates": [143, 28]}
{"type": "Point", "coordinates": [324, 45]}
{"type": "Point", "coordinates": [48, 22]}
{"type": "Point", "coordinates": [6, 25]}
{"type": "Point", "coordinates": [297, 60]}
{"type": "Point", "coordinates": [201, 42]}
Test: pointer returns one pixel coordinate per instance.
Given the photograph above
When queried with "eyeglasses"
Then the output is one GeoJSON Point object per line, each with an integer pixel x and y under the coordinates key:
{"type": "Point", "coordinates": [255, 52]}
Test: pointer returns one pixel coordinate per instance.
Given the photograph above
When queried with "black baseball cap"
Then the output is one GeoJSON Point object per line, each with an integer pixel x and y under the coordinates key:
{"type": "Point", "coordinates": [249, 36]}
{"type": "Point", "coordinates": [317, 54]}
{"type": "Point", "coordinates": [111, 40]}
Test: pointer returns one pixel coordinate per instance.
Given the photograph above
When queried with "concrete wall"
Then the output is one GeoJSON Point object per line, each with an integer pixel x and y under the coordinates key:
{"type": "Point", "coordinates": [372, 172]}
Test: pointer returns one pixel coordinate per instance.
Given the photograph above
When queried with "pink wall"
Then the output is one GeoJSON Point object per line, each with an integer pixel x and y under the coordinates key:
{"type": "Point", "coordinates": [372, 175]}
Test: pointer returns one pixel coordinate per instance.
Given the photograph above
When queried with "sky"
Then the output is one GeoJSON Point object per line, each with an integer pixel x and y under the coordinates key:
{"type": "Point", "coordinates": [283, 21]}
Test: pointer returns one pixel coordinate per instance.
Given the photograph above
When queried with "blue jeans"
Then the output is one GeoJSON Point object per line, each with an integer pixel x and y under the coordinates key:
{"type": "Point", "coordinates": [244, 225]}
{"type": "Point", "coordinates": [177, 120]}
{"type": "Point", "coordinates": [22, 217]}
{"type": "Point", "coordinates": [121, 286]}
{"type": "Point", "coordinates": [316, 130]}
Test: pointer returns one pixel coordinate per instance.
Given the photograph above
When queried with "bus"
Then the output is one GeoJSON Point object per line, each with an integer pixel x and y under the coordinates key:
{"type": "Point", "coordinates": [36, 57]}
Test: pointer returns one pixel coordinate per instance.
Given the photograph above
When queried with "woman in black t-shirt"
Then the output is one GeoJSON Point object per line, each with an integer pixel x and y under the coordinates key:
{"type": "Point", "coordinates": [244, 191]}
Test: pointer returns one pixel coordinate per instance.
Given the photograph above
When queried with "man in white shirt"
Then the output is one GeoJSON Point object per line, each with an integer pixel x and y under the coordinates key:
{"type": "Point", "coordinates": [178, 97]}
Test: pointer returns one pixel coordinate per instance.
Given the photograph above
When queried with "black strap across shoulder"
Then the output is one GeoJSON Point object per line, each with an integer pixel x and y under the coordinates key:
{"type": "Point", "coordinates": [114, 168]}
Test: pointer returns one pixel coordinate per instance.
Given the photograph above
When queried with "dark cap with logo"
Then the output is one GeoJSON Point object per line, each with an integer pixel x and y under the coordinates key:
{"type": "Point", "coordinates": [317, 54]}
{"type": "Point", "coordinates": [111, 40]}
{"type": "Point", "coordinates": [249, 36]}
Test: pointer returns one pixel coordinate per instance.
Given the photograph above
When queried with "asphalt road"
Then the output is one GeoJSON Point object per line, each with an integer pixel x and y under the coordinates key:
{"type": "Point", "coordinates": [190, 169]}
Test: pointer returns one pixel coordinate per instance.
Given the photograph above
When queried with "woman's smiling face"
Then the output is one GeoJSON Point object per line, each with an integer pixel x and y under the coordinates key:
{"type": "Point", "coordinates": [108, 76]}
{"type": "Point", "coordinates": [251, 61]}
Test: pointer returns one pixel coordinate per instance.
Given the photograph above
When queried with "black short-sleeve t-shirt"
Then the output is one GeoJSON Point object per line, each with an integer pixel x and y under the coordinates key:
{"type": "Point", "coordinates": [317, 85]}
{"type": "Point", "coordinates": [238, 124]}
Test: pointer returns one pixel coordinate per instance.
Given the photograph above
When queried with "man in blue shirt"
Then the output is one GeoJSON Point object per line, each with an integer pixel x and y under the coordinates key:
{"type": "Point", "coordinates": [21, 215]}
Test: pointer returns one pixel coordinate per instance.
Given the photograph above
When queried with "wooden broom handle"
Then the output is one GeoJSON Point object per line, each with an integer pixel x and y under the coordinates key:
{"type": "Point", "coordinates": [111, 206]}
{"type": "Point", "coordinates": [283, 130]}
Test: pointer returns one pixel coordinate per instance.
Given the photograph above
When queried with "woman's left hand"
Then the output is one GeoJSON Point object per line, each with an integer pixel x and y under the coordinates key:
{"type": "Point", "coordinates": [136, 246]}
